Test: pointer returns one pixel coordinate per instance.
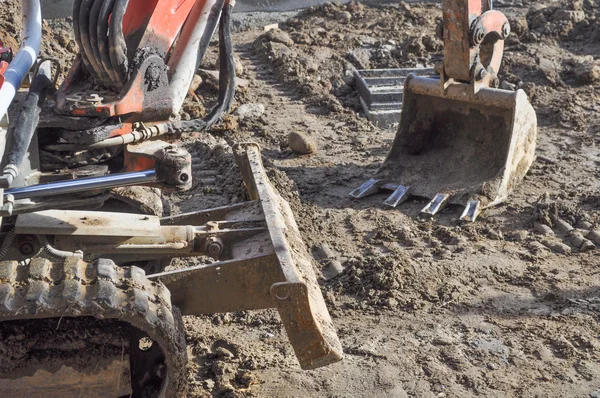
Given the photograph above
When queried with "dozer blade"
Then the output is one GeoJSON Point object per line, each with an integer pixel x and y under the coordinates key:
{"type": "Point", "coordinates": [460, 147]}
{"type": "Point", "coordinates": [270, 269]}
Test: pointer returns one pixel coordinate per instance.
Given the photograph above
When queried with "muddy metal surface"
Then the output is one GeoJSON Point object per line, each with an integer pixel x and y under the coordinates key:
{"type": "Point", "coordinates": [507, 306]}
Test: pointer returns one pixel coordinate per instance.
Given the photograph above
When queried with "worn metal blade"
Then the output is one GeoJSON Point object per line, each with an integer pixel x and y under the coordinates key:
{"type": "Point", "coordinates": [400, 195]}
{"type": "Point", "coordinates": [437, 203]}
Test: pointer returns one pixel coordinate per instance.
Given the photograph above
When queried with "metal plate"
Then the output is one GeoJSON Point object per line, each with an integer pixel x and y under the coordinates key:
{"type": "Point", "coordinates": [71, 222]}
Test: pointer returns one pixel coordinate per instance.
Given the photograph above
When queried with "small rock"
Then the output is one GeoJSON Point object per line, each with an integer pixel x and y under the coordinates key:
{"type": "Point", "coordinates": [272, 26]}
{"type": "Point", "coordinates": [547, 66]}
{"type": "Point", "coordinates": [587, 246]}
{"type": "Point", "coordinates": [209, 384]}
{"type": "Point", "coordinates": [563, 226]}
{"type": "Point", "coordinates": [520, 236]}
{"type": "Point", "coordinates": [558, 247]}
{"type": "Point", "coordinates": [507, 86]}
{"type": "Point", "coordinates": [301, 143]}
{"type": "Point", "coordinates": [249, 111]}
{"type": "Point", "coordinates": [536, 8]}
{"type": "Point", "coordinates": [246, 378]}
{"type": "Point", "coordinates": [493, 366]}
{"type": "Point", "coordinates": [309, 63]}
{"type": "Point", "coordinates": [360, 57]}
{"type": "Point", "coordinates": [196, 82]}
{"type": "Point", "coordinates": [278, 36]}
{"type": "Point", "coordinates": [530, 89]}
{"type": "Point", "coordinates": [239, 67]}
{"type": "Point", "coordinates": [542, 228]}
{"type": "Point", "coordinates": [595, 394]}
{"type": "Point", "coordinates": [495, 235]}
{"type": "Point", "coordinates": [568, 15]}
{"type": "Point", "coordinates": [576, 239]}
{"type": "Point", "coordinates": [391, 302]}
{"type": "Point", "coordinates": [537, 248]}
{"type": "Point", "coordinates": [222, 352]}
{"type": "Point", "coordinates": [333, 264]}
{"type": "Point", "coordinates": [594, 236]}
{"type": "Point", "coordinates": [585, 225]}
{"type": "Point", "coordinates": [538, 21]}
{"type": "Point", "coordinates": [344, 17]}
{"type": "Point", "coordinates": [588, 72]}
{"type": "Point", "coordinates": [518, 26]}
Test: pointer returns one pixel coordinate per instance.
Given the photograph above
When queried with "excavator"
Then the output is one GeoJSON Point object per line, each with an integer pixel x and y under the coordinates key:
{"type": "Point", "coordinates": [88, 303]}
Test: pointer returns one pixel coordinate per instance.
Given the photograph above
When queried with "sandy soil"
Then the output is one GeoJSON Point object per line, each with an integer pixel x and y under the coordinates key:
{"type": "Point", "coordinates": [424, 308]}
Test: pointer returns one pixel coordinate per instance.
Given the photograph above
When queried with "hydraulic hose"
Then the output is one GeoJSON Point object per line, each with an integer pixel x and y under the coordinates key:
{"type": "Point", "coordinates": [84, 38]}
{"type": "Point", "coordinates": [102, 38]}
{"type": "Point", "coordinates": [117, 46]}
{"type": "Point", "coordinates": [92, 34]}
{"type": "Point", "coordinates": [226, 79]}
{"type": "Point", "coordinates": [55, 252]}
{"type": "Point", "coordinates": [7, 243]}
{"type": "Point", "coordinates": [194, 39]}
{"type": "Point", "coordinates": [25, 127]}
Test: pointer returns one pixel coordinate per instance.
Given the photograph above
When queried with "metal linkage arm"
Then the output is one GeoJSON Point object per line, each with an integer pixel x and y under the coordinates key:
{"type": "Point", "coordinates": [466, 24]}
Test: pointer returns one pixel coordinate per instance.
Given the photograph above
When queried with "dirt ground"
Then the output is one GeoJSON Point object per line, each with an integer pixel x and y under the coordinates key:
{"type": "Point", "coordinates": [424, 308]}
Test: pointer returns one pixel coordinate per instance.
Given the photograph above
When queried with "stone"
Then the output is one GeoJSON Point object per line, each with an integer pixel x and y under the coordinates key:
{"type": "Point", "coordinates": [196, 82]}
{"type": "Point", "coordinates": [301, 143]}
{"type": "Point", "coordinates": [344, 17]}
{"type": "Point", "coordinates": [507, 85]}
{"type": "Point", "coordinates": [222, 352]}
{"type": "Point", "coordinates": [536, 8]}
{"type": "Point", "coordinates": [538, 21]}
{"type": "Point", "coordinates": [588, 72]}
{"type": "Point", "coordinates": [518, 26]}
{"type": "Point", "coordinates": [249, 111]}
{"type": "Point", "coordinates": [557, 247]}
{"type": "Point", "coordinates": [547, 66]}
{"type": "Point", "coordinates": [278, 36]}
{"type": "Point", "coordinates": [239, 66]}
{"type": "Point", "coordinates": [360, 57]}
{"type": "Point", "coordinates": [574, 16]}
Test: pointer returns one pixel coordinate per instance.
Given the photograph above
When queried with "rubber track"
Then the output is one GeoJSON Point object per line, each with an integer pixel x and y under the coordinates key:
{"type": "Point", "coordinates": [74, 288]}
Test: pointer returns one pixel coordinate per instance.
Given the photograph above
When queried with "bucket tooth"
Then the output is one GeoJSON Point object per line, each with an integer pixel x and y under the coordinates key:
{"type": "Point", "coordinates": [400, 195]}
{"type": "Point", "coordinates": [471, 211]}
{"type": "Point", "coordinates": [437, 203]}
{"type": "Point", "coordinates": [369, 187]}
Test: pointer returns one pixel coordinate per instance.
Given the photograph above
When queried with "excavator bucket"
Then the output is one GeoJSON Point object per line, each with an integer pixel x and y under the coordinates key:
{"type": "Point", "coordinates": [460, 140]}
{"type": "Point", "coordinates": [269, 267]}
{"type": "Point", "coordinates": [454, 146]}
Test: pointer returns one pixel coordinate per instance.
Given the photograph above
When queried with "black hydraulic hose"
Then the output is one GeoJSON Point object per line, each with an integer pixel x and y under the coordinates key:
{"type": "Point", "coordinates": [93, 40]}
{"type": "Point", "coordinates": [25, 127]}
{"type": "Point", "coordinates": [84, 59]}
{"type": "Point", "coordinates": [102, 38]}
{"type": "Point", "coordinates": [226, 79]}
{"type": "Point", "coordinates": [117, 45]}
{"type": "Point", "coordinates": [84, 37]}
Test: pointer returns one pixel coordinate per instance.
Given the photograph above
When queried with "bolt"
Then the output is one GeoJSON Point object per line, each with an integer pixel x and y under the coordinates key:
{"type": "Point", "coordinates": [482, 74]}
{"type": "Point", "coordinates": [26, 248]}
{"type": "Point", "coordinates": [478, 34]}
{"type": "Point", "coordinates": [505, 31]}
{"type": "Point", "coordinates": [282, 292]}
{"type": "Point", "coordinates": [214, 247]}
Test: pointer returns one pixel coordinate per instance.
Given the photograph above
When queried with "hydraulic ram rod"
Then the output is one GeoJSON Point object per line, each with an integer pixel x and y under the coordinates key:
{"type": "Point", "coordinates": [83, 184]}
